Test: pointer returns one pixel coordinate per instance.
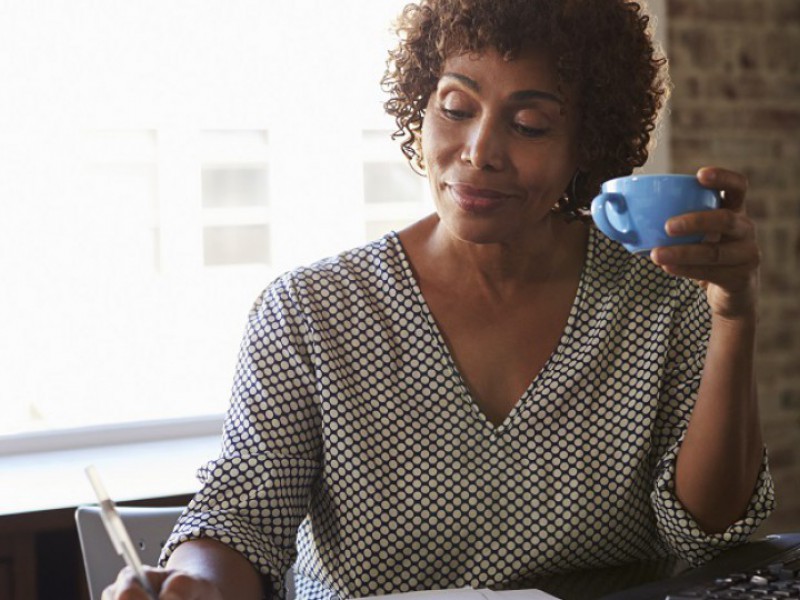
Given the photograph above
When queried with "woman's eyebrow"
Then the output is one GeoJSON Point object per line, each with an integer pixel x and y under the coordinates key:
{"type": "Point", "coordinates": [470, 83]}
{"type": "Point", "coordinates": [523, 95]}
{"type": "Point", "coordinates": [519, 96]}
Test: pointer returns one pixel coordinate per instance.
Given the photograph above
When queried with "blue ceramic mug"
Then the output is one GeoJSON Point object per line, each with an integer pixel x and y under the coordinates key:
{"type": "Point", "coordinates": [633, 210]}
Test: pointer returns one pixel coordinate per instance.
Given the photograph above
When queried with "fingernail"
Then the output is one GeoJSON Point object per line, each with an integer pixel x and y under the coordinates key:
{"type": "Point", "coordinates": [674, 228]}
{"type": "Point", "coordinates": [663, 256]}
{"type": "Point", "coordinates": [709, 175]}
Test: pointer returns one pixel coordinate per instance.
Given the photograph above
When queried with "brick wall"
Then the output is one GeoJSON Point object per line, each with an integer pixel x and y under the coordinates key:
{"type": "Point", "coordinates": [735, 65]}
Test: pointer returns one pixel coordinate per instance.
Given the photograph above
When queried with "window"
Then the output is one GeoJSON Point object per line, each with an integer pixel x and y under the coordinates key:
{"type": "Point", "coordinates": [162, 162]}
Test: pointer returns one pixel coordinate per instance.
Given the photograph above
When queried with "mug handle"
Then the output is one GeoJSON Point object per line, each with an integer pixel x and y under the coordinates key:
{"type": "Point", "coordinates": [626, 235]}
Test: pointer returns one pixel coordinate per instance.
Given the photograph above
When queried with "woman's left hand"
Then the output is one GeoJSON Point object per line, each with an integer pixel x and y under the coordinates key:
{"type": "Point", "coordinates": [726, 262]}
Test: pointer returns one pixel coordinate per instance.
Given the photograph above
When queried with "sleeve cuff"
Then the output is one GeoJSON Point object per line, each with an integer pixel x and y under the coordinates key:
{"type": "Point", "coordinates": [246, 543]}
{"type": "Point", "coordinates": [254, 505]}
{"type": "Point", "coordinates": [679, 530]}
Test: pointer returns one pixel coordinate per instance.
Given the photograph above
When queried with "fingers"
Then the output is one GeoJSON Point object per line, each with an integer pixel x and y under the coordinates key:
{"type": "Point", "coordinates": [726, 268]}
{"type": "Point", "coordinates": [127, 587]}
{"type": "Point", "coordinates": [738, 254]}
{"type": "Point", "coordinates": [733, 185]}
{"type": "Point", "coordinates": [729, 220]}
{"type": "Point", "coordinates": [727, 271]}
{"type": "Point", "coordinates": [186, 587]}
{"type": "Point", "coordinates": [729, 239]}
{"type": "Point", "coordinates": [715, 224]}
{"type": "Point", "coordinates": [726, 262]}
{"type": "Point", "coordinates": [170, 584]}
{"type": "Point", "coordinates": [728, 257]}
{"type": "Point", "coordinates": [726, 278]}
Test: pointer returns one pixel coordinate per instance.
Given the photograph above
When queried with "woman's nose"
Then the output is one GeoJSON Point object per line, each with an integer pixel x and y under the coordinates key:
{"type": "Point", "coordinates": [484, 147]}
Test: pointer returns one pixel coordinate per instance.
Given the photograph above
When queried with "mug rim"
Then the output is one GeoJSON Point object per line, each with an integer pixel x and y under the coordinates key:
{"type": "Point", "coordinates": [652, 176]}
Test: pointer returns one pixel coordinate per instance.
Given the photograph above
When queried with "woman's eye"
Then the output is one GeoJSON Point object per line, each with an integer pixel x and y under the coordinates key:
{"type": "Point", "coordinates": [455, 114]}
{"type": "Point", "coordinates": [529, 131]}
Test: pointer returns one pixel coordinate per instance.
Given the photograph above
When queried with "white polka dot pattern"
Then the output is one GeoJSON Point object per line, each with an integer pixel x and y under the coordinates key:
{"type": "Point", "coordinates": [352, 443]}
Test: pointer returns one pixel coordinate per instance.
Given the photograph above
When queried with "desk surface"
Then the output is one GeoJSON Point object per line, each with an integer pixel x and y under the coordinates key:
{"type": "Point", "coordinates": [44, 481]}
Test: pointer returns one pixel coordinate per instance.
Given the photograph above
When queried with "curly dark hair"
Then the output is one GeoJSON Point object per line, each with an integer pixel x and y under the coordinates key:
{"type": "Point", "coordinates": [603, 49]}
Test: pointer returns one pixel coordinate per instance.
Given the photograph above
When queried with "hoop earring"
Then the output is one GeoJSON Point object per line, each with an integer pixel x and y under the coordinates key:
{"type": "Point", "coordinates": [569, 195]}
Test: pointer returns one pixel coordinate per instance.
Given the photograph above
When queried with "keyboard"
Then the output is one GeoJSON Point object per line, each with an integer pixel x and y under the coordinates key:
{"type": "Point", "coordinates": [778, 580]}
{"type": "Point", "coordinates": [767, 569]}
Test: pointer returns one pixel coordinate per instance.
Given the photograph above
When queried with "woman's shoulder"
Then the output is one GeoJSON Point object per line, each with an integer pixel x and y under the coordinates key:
{"type": "Point", "coordinates": [332, 293]}
{"type": "Point", "coordinates": [365, 261]}
{"type": "Point", "coordinates": [613, 267]}
{"type": "Point", "coordinates": [378, 263]}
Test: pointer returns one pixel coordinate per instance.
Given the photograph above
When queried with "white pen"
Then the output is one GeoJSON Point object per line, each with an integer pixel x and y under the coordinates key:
{"type": "Point", "coordinates": [117, 532]}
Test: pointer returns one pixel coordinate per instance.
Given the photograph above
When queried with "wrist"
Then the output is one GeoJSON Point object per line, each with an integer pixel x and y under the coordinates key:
{"type": "Point", "coordinates": [737, 335]}
{"type": "Point", "coordinates": [735, 303]}
{"type": "Point", "coordinates": [741, 321]}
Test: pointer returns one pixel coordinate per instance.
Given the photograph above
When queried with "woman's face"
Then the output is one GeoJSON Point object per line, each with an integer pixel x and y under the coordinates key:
{"type": "Point", "coordinates": [498, 140]}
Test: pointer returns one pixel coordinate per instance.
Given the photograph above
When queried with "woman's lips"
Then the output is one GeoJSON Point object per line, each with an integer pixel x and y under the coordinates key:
{"type": "Point", "coordinates": [475, 199]}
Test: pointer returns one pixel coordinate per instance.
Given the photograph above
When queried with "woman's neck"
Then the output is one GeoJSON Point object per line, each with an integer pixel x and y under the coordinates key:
{"type": "Point", "coordinates": [500, 270]}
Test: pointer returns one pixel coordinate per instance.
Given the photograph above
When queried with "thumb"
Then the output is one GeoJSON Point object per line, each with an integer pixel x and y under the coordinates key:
{"type": "Point", "coordinates": [156, 577]}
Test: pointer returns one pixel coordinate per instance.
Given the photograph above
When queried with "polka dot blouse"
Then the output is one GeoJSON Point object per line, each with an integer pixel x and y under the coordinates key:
{"type": "Point", "coordinates": [353, 451]}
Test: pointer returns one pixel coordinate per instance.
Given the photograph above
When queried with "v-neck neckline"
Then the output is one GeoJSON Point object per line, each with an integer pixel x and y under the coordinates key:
{"type": "Point", "coordinates": [451, 368]}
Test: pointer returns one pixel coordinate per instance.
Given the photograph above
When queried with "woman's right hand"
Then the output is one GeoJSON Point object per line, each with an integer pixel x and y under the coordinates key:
{"type": "Point", "coordinates": [202, 569]}
{"type": "Point", "coordinates": [169, 584]}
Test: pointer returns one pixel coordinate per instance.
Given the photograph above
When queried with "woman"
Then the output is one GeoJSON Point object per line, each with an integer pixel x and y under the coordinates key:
{"type": "Point", "coordinates": [497, 392]}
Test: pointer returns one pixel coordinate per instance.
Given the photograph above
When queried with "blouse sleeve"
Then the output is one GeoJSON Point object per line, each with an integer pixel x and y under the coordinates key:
{"type": "Point", "coordinates": [255, 495]}
{"type": "Point", "coordinates": [683, 372]}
